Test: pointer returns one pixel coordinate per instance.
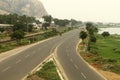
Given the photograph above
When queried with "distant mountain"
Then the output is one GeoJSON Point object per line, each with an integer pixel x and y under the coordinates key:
{"type": "Point", "coordinates": [21, 7]}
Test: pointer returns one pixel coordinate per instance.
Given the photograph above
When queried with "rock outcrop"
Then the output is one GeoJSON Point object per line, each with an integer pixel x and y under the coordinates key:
{"type": "Point", "coordinates": [21, 7]}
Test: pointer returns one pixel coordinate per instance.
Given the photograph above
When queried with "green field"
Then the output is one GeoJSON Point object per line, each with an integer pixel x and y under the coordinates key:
{"type": "Point", "coordinates": [107, 51]}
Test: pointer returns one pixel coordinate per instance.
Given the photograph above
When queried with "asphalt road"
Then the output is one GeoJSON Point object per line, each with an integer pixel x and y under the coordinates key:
{"type": "Point", "coordinates": [74, 67]}
{"type": "Point", "coordinates": [17, 66]}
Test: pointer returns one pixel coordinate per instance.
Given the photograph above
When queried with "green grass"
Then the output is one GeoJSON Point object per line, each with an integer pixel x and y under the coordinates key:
{"type": "Point", "coordinates": [48, 72]}
{"type": "Point", "coordinates": [108, 49]}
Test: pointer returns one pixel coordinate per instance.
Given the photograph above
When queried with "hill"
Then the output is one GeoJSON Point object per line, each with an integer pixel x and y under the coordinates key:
{"type": "Point", "coordinates": [21, 7]}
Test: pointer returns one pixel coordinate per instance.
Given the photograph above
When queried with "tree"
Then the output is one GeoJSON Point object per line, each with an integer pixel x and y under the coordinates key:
{"type": "Point", "coordinates": [19, 26]}
{"type": "Point", "coordinates": [47, 21]}
{"type": "Point", "coordinates": [93, 39]}
{"type": "Point", "coordinates": [105, 34]}
{"type": "Point", "coordinates": [18, 34]}
{"type": "Point", "coordinates": [45, 25]}
{"type": "Point", "coordinates": [61, 22]}
{"type": "Point", "coordinates": [47, 18]}
{"type": "Point", "coordinates": [83, 35]}
{"type": "Point", "coordinates": [73, 22]}
{"type": "Point", "coordinates": [91, 28]}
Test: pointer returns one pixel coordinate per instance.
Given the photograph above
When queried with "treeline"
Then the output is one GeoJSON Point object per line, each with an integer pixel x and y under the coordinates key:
{"type": "Point", "coordinates": [19, 22]}
{"type": "Point", "coordinates": [91, 29]}
{"type": "Point", "coordinates": [14, 18]}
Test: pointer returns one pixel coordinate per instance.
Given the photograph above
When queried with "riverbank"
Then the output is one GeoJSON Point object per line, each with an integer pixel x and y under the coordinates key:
{"type": "Point", "coordinates": [104, 56]}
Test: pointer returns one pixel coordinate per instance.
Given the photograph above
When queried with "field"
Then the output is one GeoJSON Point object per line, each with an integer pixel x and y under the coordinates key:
{"type": "Point", "coordinates": [105, 53]}
{"type": "Point", "coordinates": [108, 52]}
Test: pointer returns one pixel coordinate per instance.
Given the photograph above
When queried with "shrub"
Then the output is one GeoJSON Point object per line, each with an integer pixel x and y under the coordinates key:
{"type": "Point", "coordinates": [83, 35]}
{"type": "Point", "coordinates": [23, 42]}
{"type": "Point", "coordinates": [93, 39]}
{"type": "Point", "coordinates": [105, 34]}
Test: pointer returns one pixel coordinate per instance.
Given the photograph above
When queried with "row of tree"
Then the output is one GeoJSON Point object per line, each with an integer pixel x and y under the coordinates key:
{"type": "Point", "coordinates": [59, 22]}
{"type": "Point", "coordinates": [90, 34]}
{"type": "Point", "coordinates": [91, 30]}
{"type": "Point", "coordinates": [23, 23]}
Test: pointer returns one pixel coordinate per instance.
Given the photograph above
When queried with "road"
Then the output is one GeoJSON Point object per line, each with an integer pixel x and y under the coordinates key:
{"type": "Point", "coordinates": [17, 66]}
{"type": "Point", "coordinates": [73, 65]}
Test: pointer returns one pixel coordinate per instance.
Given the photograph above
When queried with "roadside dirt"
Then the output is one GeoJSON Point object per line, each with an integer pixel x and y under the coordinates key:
{"type": "Point", "coordinates": [110, 75]}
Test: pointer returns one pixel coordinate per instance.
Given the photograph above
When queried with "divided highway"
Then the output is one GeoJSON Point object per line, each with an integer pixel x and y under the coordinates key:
{"type": "Point", "coordinates": [17, 66]}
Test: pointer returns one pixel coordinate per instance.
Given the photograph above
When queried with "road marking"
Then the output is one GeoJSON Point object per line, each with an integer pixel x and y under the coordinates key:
{"type": "Point", "coordinates": [18, 61]}
{"type": "Point", "coordinates": [83, 75]}
{"type": "Point", "coordinates": [76, 66]}
{"type": "Point", "coordinates": [27, 56]}
{"type": "Point", "coordinates": [6, 69]}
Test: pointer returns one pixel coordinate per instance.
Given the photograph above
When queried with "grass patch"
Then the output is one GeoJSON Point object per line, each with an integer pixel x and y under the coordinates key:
{"type": "Point", "coordinates": [105, 53]}
{"type": "Point", "coordinates": [48, 72]}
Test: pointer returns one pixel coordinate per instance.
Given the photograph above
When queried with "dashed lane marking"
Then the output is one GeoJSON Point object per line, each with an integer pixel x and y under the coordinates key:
{"type": "Point", "coordinates": [83, 75]}
{"type": "Point", "coordinates": [76, 66]}
{"type": "Point", "coordinates": [7, 68]}
{"type": "Point", "coordinates": [18, 61]}
{"type": "Point", "coordinates": [27, 56]}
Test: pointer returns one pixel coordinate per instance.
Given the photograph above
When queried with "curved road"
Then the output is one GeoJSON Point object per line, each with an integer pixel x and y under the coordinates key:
{"type": "Point", "coordinates": [17, 66]}
{"type": "Point", "coordinates": [74, 67]}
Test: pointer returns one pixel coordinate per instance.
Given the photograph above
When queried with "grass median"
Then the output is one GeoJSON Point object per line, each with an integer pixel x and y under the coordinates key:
{"type": "Point", "coordinates": [47, 72]}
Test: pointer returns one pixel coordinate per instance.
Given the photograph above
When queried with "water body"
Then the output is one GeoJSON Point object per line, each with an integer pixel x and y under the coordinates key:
{"type": "Point", "coordinates": [110, 30]}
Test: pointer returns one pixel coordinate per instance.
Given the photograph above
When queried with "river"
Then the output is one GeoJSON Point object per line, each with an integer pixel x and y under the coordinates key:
{"type": "Point", "coordinates": [110, 30]}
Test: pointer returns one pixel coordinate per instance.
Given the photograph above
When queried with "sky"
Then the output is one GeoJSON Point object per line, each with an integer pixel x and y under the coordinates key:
{"type": "Point", "coordinates": [84, 10]}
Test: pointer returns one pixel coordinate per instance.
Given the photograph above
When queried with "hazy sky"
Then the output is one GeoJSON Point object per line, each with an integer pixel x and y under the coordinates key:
{"type": "Point", "coordinates": [85, 10]}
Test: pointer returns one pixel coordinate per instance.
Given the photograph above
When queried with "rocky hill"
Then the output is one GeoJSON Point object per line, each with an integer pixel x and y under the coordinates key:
{"type": "Point", "coordinates": [27, 7]}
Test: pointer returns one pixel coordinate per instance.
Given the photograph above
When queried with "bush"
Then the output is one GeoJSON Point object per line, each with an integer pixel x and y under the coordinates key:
{"type": "Point", "coordinates": [105, 34]}
{"type": "Point", "coordinates": [83, 35]}
{"type": "Point", "coordinates": [93, 39]}
{"type": "Point", "coordinates": [5, 47]}
{"type": "Point", "coordinates": [23, 42]}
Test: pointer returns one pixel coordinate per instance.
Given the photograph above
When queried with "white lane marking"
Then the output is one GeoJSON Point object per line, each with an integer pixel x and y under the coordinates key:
{"type": "Point", "coordinates": [6, 69]}
{"type": "Point", "coordinates": [27, 56]}
{"type": "Point", "coordinates": [18, 61]}
{"type": "Point", "coordinates": [76, 66]}
{"type": "Point", "coordinates": [83, 75]}
{"type": "Point", "coordinates": [71, 60]}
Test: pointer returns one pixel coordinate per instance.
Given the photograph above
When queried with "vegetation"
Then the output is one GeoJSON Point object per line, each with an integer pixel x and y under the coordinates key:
{"type": "Point", "coordinates": [91, 29]}
{"type": "Point", "coordinates": [47, 21]}
{"type": "Point", "coordinates": [105, 34]}
{"type": "Point", "coordinates": [24, 41]}
{"type": "Point", "coordinates": [61, 22]}
{"type": "Point", "coordinates": [18, 35]}
{"type": "Point", "coordinates": [19, 25]}
{"type": "Point", "coordinates": [83, 35]}
{"type": "Point", "coordinates": [48, 72]}
{"type": "Point", "coordinates": [105, 53]}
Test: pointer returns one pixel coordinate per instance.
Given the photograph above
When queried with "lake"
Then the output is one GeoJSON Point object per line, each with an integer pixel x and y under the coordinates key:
{"type": "Point", "coordinates": [110, 30]}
